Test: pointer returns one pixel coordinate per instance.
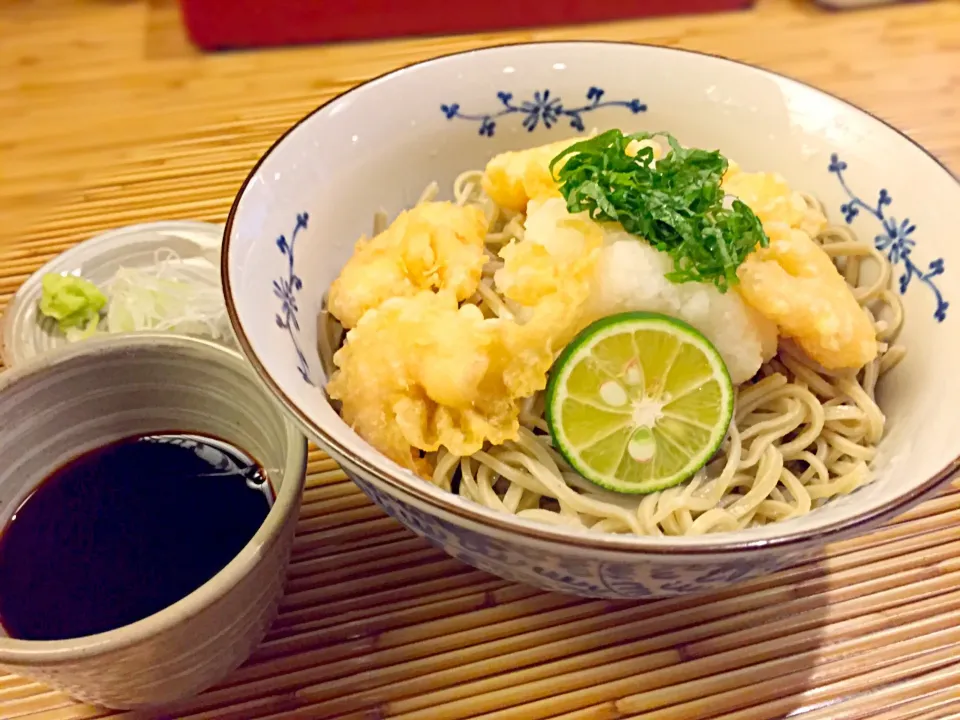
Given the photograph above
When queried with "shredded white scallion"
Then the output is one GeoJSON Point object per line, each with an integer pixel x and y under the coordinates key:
{"type": "Point", "coordinates": [173, 295]}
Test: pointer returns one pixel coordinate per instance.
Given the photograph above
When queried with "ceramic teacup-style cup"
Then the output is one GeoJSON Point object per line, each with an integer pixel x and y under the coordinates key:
{"type": "Point", "coordinates": [72, 400]}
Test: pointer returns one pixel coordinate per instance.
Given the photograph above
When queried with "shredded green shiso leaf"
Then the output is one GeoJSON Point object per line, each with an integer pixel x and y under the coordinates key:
{"type": "Point", "coordinates": [675, 203]}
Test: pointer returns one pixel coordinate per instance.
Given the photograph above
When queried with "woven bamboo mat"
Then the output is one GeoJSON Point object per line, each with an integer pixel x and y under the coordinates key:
{"type": "Point", "coordinates": [109, 117]}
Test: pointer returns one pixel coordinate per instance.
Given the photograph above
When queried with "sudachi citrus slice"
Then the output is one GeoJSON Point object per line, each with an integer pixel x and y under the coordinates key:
{"type": "Point", "coordinates": [639, 402]}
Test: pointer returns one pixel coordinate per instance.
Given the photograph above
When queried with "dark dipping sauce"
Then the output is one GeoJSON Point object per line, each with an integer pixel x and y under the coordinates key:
{"type": "Point", "coordinates": [124, 531]}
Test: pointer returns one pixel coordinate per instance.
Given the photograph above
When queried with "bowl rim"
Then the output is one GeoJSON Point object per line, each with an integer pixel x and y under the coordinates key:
{"type": "Point", "coordinates": [37, 653]}
{"type": "Point", "coordinates": [480, 515]}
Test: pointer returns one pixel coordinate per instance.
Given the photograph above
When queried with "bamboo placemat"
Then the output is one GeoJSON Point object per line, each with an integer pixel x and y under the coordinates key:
{"type": "Point", "coordinates": [109, 118]}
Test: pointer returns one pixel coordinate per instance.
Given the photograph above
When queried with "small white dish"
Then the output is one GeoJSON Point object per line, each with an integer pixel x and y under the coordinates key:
{"type": "Point", "coordinates": [25, 333]}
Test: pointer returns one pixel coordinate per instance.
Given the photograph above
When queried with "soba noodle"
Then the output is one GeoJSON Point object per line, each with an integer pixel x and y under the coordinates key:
{"type": "Point", "coordinates": [800, 434]}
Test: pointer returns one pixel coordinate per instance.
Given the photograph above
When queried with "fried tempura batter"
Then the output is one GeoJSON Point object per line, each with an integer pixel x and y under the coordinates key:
{"type": "Point", "coordinates": [434, 246]}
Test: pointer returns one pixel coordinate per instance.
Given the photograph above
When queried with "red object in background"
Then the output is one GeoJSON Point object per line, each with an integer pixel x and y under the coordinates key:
{"type": "Point", "coordinates": [224, 24]}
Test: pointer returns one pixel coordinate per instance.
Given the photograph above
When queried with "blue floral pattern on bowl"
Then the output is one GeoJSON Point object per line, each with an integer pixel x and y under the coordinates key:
{"type": "Point", "coordinates": [286, 288]}
{"type": "Point", "coordinates": [642, 577]}
{"type": "Point", "coordinates": [544, 108]}
{"type": "Point", "coordinates": [896, 239]}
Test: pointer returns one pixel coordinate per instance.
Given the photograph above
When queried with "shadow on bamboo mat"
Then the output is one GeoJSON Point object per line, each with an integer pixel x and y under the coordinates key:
{"type": "Point", "coordinates": [376, 623]}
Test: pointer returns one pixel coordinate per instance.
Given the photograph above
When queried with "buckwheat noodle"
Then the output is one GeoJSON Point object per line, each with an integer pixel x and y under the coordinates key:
{"type": "Point", "coordinates": [800, 434]}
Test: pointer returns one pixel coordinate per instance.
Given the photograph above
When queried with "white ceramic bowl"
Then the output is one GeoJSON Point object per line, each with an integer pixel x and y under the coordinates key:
{"type": "Point", "coordinates": [65, 402]}
{"type": "Point", "coordinates": [312, 195]}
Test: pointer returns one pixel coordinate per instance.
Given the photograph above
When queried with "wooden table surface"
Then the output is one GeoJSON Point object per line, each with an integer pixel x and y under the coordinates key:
{"type": "Point", "coordinates": [109, 117]}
